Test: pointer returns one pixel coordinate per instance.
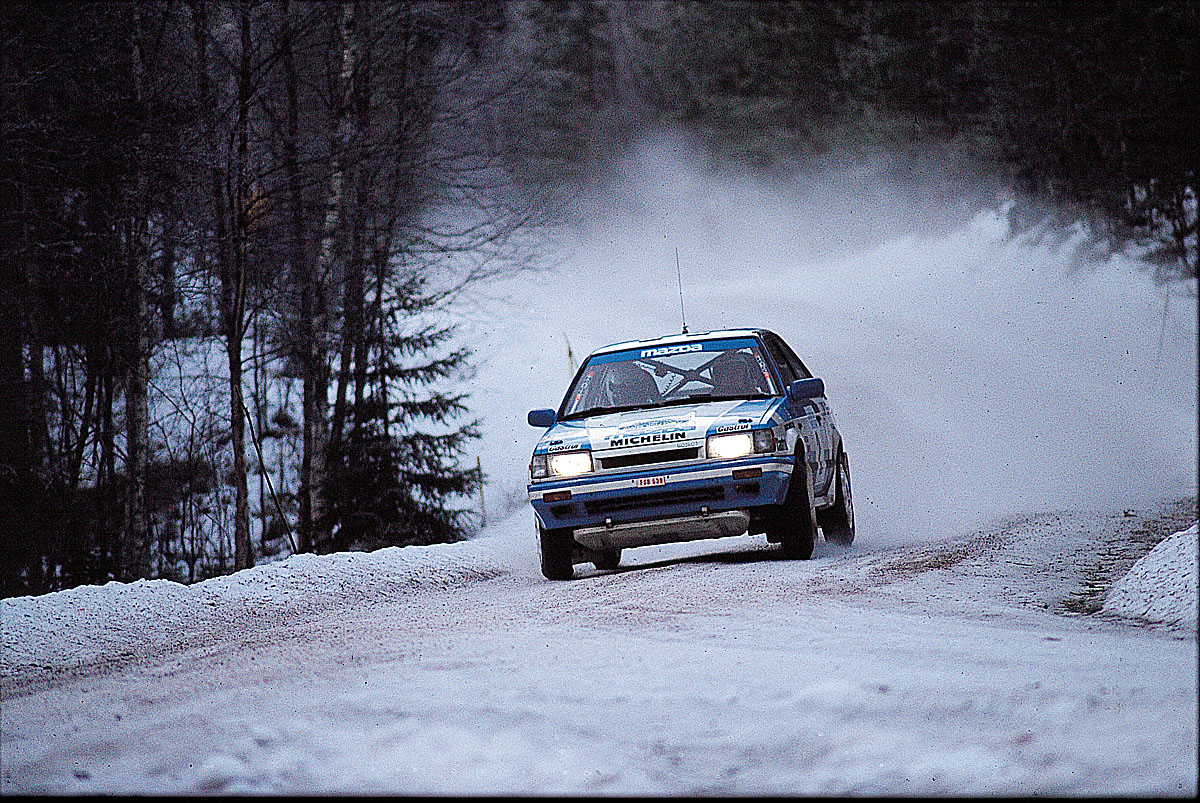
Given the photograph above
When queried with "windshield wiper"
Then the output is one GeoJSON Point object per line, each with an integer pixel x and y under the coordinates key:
{"type": "Point", "coordinates": [606, 410]}
{"type": "Point", "coordinates": [701, 398]}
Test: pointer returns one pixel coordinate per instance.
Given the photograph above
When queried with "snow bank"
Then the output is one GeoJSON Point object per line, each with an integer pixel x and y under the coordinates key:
{"type": "Point", "coordinates": [1162, 586]}
{"type": "Point", "coordinates": [87, 624]}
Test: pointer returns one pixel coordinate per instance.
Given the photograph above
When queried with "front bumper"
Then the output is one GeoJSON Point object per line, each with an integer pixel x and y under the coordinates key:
{"type": "Point", "coordinates": [648, 495]}
{"type": "Point", "coordinates": [664, 531]}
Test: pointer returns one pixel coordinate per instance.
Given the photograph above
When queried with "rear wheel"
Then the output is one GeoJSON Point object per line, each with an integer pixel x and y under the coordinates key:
{"type": "Point", "coordinates": [608, 559]}
{"type": "Point", "coordinates": [555, 547]}
{"type": "Point", "coordinates": [837, 522]}
{"type": "Point", "coordinates": [795, 524]}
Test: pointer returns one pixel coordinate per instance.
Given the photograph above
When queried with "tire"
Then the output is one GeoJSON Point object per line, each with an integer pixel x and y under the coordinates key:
{"type": "Point", "coordinates": [554, 547]}
{"type": "Point", "coordinates": [795, 524]}
{"type": "Point", "coordinates": [837, 522]}
{"type": "Point", "coordinates": [608, 559]}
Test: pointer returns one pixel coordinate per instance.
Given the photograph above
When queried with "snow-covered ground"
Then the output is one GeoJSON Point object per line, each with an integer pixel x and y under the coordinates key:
{"type": "Point", "coordinates": [945, 667]}
{"type": "Point", "coordinates": [960, 646]}
{"type": "Point", "coordinates": [1162, 586]}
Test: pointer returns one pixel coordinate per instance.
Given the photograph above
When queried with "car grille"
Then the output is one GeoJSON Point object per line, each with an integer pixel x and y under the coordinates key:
{"type": "Point", "coordinates": [659, 498]}
{"type": "Point", "coordinates": [648, 458]}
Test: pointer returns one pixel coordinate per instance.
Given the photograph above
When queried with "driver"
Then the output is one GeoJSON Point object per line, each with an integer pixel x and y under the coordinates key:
{"type": "Point", "coordinates": [734, 374]}
{"type": "Point", "coordinates": [628, 384]}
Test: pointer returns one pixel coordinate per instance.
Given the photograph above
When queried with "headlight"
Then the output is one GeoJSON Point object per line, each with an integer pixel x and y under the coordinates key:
{"type": "Point", "coordinates": [740, 444]}
{"type": "Point", "coordinates": [735, 444]}
{"type": "Point", "coordinates": [570, 464]}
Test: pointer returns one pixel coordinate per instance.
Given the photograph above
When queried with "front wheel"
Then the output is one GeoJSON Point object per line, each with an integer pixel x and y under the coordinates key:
{"type": "Point", "coordinates": [837, 522]}
{"type": "Point", "coordinates": [795, 524]}
{"type": "Point", "coordinates": [555, 548]}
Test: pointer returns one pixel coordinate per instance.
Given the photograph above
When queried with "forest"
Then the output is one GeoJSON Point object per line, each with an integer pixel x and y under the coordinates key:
{"type": "Point", "coordinates": [232, 229]}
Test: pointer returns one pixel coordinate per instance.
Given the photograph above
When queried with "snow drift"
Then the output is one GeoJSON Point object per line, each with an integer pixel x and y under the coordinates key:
{"type": "Point", "coordinates": [1162, 586]}
{"type": "Point", "coordinates": [89, 624]}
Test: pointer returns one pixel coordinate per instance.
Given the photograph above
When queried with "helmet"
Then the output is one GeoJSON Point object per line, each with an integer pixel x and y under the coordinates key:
{"type": "Point", "coordinates": [626, 383]}
{"type": "Point", "coordinates": [736, 373]}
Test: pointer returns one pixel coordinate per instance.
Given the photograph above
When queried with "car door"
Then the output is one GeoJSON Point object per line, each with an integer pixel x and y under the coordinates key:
{"type": "Point", "coordinates": [804, 415]}
{"type": "Point", "coordinates": [822, 417]}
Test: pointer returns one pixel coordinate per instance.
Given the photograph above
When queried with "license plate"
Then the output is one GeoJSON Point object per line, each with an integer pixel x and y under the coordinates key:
{"type": "Point", "coordinates": [643, 482]}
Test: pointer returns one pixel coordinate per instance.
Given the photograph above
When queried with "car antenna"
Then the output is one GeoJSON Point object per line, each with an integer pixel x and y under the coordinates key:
{"type": "Point", "coordinates": [679, 276]}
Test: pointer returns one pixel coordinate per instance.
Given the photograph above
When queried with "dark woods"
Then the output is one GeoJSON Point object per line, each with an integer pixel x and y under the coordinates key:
{"type": "Point", "coordinates": [224, 280]}
{"type": "Point", "coordinates": [231, 231]}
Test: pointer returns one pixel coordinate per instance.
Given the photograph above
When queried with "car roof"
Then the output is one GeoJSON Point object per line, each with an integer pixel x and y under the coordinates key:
{"type": "Point", "coordinates": [667, 340]}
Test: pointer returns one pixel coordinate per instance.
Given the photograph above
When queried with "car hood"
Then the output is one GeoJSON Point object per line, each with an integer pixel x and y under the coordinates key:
{"type": "Point", "coordinates": [677, 424]}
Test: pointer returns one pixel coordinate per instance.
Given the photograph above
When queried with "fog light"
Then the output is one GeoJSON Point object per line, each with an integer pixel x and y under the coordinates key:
{"type": "Point", "coordinates": [556, 496]}
{"type": "Point", "coordinates": [747, 473]}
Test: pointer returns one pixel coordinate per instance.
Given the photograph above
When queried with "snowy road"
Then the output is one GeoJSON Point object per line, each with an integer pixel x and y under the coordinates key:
{"type": "Point", "coordinates": [962, 666]}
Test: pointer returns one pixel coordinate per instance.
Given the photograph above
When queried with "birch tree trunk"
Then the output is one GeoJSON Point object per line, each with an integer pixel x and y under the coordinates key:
{"type": "Point", "coordinates": [233, 293]}
{"type": "Point", "coordinates": [230, 252]}
{"type": "Point", "coordinates": [137, 552]}
{"type": "Point", "coordinates": [317, 368]}
{"type": "Point", "coordinates": [301, 270]}
{"type": "Point", "coordinates": [354, 294]}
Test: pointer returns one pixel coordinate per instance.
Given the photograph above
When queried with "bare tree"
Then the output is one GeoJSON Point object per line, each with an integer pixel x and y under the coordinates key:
{"type": "Point", "coordinates": [231, 220]}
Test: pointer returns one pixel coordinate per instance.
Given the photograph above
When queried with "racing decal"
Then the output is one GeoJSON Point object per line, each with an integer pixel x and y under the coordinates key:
{"type": "Point", "coordinates": [565, 447]}
{"type": "Point", "coordinates": [733, 427]}
{"type": "Point", "coordinates": [763, 365]}
{"type": "Point", "coordinates": [665, 350]}
{"type": "Point", "coordinates": [656, 437]}
{"type": "Point", "coordinates": [702, 345]}
{"type": "Point", "coordinates": [584, 384]}
{"type": "Point", "coordinates": [689, 423]}
{"type": "Point", "coordinates": [668, 428]}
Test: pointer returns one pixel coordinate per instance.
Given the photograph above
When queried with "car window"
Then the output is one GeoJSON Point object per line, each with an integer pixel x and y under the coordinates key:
{"type": "Point", "coordinates": [775, 347]}
{"type": "Point", "coordinates": [797, 366]}
{"type": "Point", "coordinates": [680, 374]}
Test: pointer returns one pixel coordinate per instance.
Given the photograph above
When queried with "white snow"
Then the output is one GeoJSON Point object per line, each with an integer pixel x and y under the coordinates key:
{"type": "Point", "coordinates": [1163, 585]}
{"type": "Point", "coordinates": [88, 624]}
{"type": "Point", "coordinates": [707, 668]}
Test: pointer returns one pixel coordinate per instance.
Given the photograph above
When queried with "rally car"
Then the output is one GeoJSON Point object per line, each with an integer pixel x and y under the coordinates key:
{"type": "Point", "coordinates": [690, 436]}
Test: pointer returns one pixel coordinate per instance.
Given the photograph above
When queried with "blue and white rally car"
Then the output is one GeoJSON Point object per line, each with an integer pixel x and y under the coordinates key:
{"type": "Point", "coordinates": [686, 437]}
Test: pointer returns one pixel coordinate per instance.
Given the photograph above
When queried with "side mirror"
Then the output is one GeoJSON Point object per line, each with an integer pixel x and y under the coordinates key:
{"type": "Point", "coordinates": [806, 389]}
{"type": "Point", "coordinates": [542, 418]}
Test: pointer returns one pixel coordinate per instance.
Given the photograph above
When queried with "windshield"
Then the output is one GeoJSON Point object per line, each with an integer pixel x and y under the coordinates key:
{"type": "Point", "coordinates": [706, 370]}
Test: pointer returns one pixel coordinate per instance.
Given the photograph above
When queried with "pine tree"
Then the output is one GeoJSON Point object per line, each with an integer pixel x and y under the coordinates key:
{"type": "Point", "coordinates": [397, 469]}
